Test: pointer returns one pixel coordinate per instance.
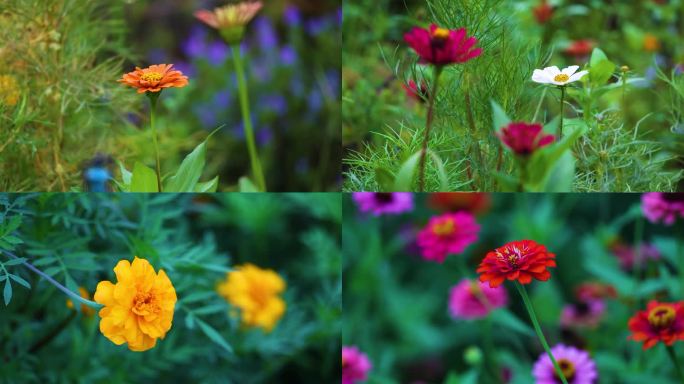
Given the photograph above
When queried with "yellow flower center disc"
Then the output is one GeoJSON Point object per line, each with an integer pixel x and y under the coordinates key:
{"type": "Point", "coordinates": [561, 78]}
{"type": "Point", "coordinates": [661, 316]}
{"type": "Point", "coordinates": [152, 77]}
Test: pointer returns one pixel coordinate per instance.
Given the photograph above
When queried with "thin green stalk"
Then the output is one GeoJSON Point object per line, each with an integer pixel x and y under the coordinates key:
{"type": "Point", "coordinates": [428, 125]}
{"type": "Point", "coordinates": [153, 112]}
{"type": "Point", "coordinates": [537, 329]}
{"type": "Point", "coordinates": [247, 118]}
{"type": "Point", "coordinates": [562, 107]}
{"type": "Point", "coordinates": [541, 101]}
{"type": "Point", "coordinates": [673, 356]}
{"type": "Point", "coordinates": [54, 282]}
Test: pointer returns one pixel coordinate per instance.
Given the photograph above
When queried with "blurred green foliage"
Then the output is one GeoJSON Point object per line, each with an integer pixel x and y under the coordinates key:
{"type": "Point", "coordinates": [78, 239]}
{"type": "Point", "coordinates": [395, 303]}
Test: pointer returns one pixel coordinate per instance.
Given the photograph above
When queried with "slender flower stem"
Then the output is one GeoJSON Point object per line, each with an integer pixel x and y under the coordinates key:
{"type": "Point", "coordinates": [562, 106]}
{"type": "Point", "coordinates": [54, 282]}
{"type": "Point", "coordinates": [428, 125]}
{"type": "Point", "coordinates": [473, 129]}
{"type": "Point", "coordinates": [673, 356]}
{"type": "Point", "coordinates": [537, 329]}
{"type": "Point", "coordinates": [153, 112]}
{"type": "Point", "coordinates": [247, 118]}
{"type": "Point", "coordinates": [541, 101]}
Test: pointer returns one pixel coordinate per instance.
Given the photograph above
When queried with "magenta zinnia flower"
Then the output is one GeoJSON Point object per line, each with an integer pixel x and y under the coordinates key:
{"type": "Point", "coordinates": [627, 254]}
{"type": "Point", "coordinates": [472, 299]}
{"type": "Point", "coordinates": [441, 46]}
{"type": "Point", "coordinates": [450, 233]}
{"type": "Point", "coordinates": [665, 207]}
{"type": "Point", "coordinates": [576, 365]}
{"type": "Point", "coordinates": [583, 314]}
{"type": "Point", "coordinates": [355, 365]}
{"type": "Point", "coordinates": [379, 203]}
{"type": "Point", "coordinates": [523, 138]}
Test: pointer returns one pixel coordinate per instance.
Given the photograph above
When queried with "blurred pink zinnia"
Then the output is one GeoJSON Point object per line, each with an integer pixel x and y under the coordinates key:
{"type": "Point", "coordinates": [450, 233]}
{"type": "Point", "coordinates": [665, 207]}
{"type": "Point", "coordinates": [471, 299]}
{"type": "Point", "coordinates": [355, 365]}
{"type": "Point", "coordinates": [583, 314]}
{"type": "Point", "coordinates": [627, 255]}
{"type": "Point", "coordinates": [379, 203]}
{"type": "Point", "coordinates": [441, 46]}
{"type": "Point", "coordinates": [576, 365]}
{"type": "Point", "coordinates": [524, 138]}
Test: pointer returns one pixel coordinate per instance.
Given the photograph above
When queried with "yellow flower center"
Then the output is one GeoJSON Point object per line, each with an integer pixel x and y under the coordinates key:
{"type": "Point", "coordinates": [145, 304]}
{"type": "Point", "coordinates": [152, 77]}
{"type": "Point", "coordinates": [661, 316]}
{"type": "Point", "coordinates": [511, 256]}
{"type": "Point", "coordinates": [440, 34]}
{"type": "Point", "coordinates": [567, 367]}
{"type": "Point", "coordinates": [561, 78]}
{"type": "Point", "coordinates": [444, 228]}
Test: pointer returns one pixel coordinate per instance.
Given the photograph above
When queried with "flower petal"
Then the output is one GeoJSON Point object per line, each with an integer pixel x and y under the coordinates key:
{"type": "Point", "coordinates": [540, 76]}
{"type": "Point", "coordinates": [552, 71]}
{"type": "Point", "coordinates": [570, 70]}
{"type": "Point", "coordinates": [577, 76]}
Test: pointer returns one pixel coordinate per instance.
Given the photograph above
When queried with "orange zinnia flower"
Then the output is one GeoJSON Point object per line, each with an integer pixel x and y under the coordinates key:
{"type": "Point", "coordinates": [659, 322]}
{"type": "Point", "coordinates": [154, 78]}
{"type": "Point", "coordinates": [517, 260]}
{"type": "Point", "coordinates": [138, 309]}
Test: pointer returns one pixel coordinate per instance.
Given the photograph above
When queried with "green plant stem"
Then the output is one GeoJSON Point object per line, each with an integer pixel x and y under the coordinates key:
{"type": "Point", "coordinates": [673, 356]}
{"type": "Point", "coordinates": [54, 282]}
{"type": "Point", "coordinates": [541, 101]}
{"type": "Point", "coordinates": [537, 329]}
{"type": "Point", "coordinates": [562, 106]}
{"type": "Point", "coordinates": [153, 112]}
{"type": "Point", "coordinates": [473, 129]}
{"type": "Point", "coordinates": [428, 125]}
{"type": "Point", "coordinates": [247, 118]}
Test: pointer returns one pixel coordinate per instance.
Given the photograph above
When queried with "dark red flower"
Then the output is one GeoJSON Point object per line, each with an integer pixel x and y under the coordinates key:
{"type": "Point", "coordinates": [441, 46]}
{"type": "Point", "coordinates": [543, 12]}
{"type": "Point", "coordinates": [518, 260]}
{"type": "Point", "coordinates": [595, 290]}
{"type": "Point", "coordinates": [580, 48]}
{"type": "Point", "coordinates": [412, 90]}
{"type": "Point", "coordinates": [472, 202]}
{"type": "Point", "coordinates": [659, 322]}
{"type": "Point", "coordinates": [524, 138]}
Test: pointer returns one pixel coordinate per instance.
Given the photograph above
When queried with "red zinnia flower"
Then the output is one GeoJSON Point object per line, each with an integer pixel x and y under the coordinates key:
{"type": "Point", "coordinates": [524, 138]}
{"type": "Point", "coordinates": [580, 48]}
{"type": "Point", "coordinates": [543, 12]}
{"type": "Point", "coordinates": [659, 322]}
{"type": "Point", "coordinates": [441, 46]}
{"type": "Point", "coordinates": [518, 260]}
{"type": "Point", "coordinates": [414, 92]}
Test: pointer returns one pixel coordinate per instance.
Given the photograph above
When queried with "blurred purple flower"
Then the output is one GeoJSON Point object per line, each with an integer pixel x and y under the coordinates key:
{"type": "Point", "coordinates": [302, 165]}
{"type": "Point", "coordinates": [583, 314]}
{"type": "Point", "coordinates": [292, 16]}
{"type": "Point", "coordinates": [157, 55]}
{"type": "Point", "coordinates": [188, 69]}
{"type": "Point", "coordinates": [264, 136]}
{"type": "Point", "coordinates": [195, 45]}
{"type": "Point", "coordinates": [206, 115]}
{"type": "Point", "coordinates": [275, 103]}
{"type": "Point", "coordinates": [267, 35]}
{"type": "Point", "coordinates": [288, 56]}
{"type": "Point", "coordinates": [315, 100]}
{"type": "Point", "coordinates": [217, 53]}
{"type": "Point", "coordinates": [339, 16]}
{"type": "Point", "coordinates": [315, 27]}
{"type": "Point", "coordinates": [222, 99]}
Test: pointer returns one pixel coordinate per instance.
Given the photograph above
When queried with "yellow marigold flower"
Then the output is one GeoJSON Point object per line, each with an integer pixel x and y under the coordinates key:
{"type": "Point", "coordinates": [255, 292]}
{"type": "Point", "coordinates": [651, 43]}
{"type": "Point", "coordinates": [88, 311]}
{"type": "Point", "coordinates": [9, 90]}
{"type": "Point", "coordinates": [138, 309]}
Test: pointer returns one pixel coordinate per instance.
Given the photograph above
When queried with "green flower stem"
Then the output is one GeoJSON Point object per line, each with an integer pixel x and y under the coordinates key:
{"type": "Point", "coordinates": [562, 106]}
{"type": "Point", "coordinates": [54, 282]}
{"type": "Point", "coordinates": [673, 356]}
{"type": "Point", "coordinates": [428, 125]}
{"type": "Point", "coordinates": [154, 96]}
{"type": "Point", "coordinates": [247, 118]}
{"type": "Point", "coordinates": [537, 328]}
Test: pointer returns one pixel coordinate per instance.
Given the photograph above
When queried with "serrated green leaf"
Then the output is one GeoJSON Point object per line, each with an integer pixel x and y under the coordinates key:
{"type": "Point", "coordinates": [144, 179]}
{"type": "Point", "coordinates": [12, 240]}
{"type": "Point", "coordinates": [214, 335]}
{"type": "Point", "coordinates": [16, 261]}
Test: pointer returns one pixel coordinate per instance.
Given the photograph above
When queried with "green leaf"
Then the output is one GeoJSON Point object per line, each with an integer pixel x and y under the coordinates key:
{"type": "Point", "coordinates": [12, 225]}
{"type": "Point", "coordinates": [562, 175]}
{"type": "Point", "coordinates": [384, 178]}
{"type": "Point", "coordinates": [213, 335]}
{"type": "Point", "coordinates": [443, 179]}
{"type": "Point", "coordinates": [12, 240]}
{"type": "Point", "coordinates": [209, 186]}
{"type": "Point", "coordinates": [505, 319]}
{"type": "Point", "coordinates": [7, 292]}
{"type": "Point", "coordinates": [499, 117]}
{"type": "Point", "coordinates": [246, 185]}
{"type": "Point", "coordinates": [144, 179]}
{"type": "Point", "coordinates": [20, 281]}
{"type": "Point", "coordinates": [189, 172]}
{"type": "Point", "coordinates": [404, 179]}
{"type": "Point", "coordinates": [16, 261]}
{"type": "Point", "coordinates": [126, 175]}
{"type": "Point", "coordinates": [601, 69]}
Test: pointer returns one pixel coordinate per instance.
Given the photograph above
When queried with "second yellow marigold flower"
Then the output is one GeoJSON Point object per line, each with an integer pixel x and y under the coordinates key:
{"type": "Point", "coordinates": [139, 308]}
{"type": "Point", "coordinates": [255, 292]}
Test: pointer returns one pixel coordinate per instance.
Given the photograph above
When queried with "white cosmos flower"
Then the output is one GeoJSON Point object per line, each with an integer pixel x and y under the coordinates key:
{"type": "Point", "coordinates": [553, 75]}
